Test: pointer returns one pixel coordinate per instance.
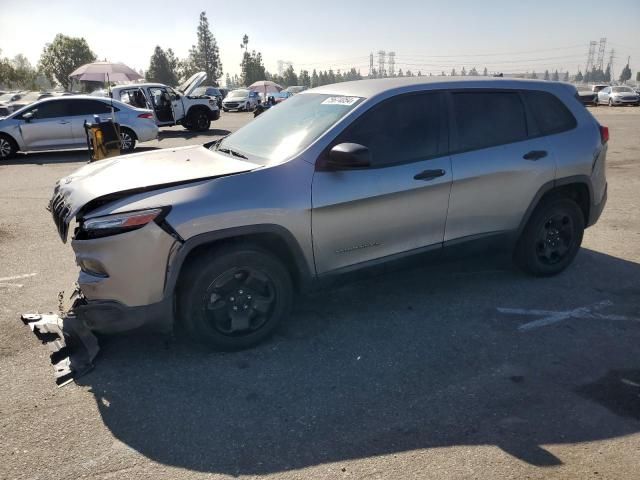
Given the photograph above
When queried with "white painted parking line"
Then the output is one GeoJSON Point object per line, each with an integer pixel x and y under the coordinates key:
{"type": "Point", "coordinates": [17, 277]}
{"type": "Point", "coordinates": [551, 317]}
{"type": "Point", "coordinates": [11, 285]}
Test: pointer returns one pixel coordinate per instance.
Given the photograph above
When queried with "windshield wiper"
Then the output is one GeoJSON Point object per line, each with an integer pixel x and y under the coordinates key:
{"type": "Point", "coordinates": [231, 152]}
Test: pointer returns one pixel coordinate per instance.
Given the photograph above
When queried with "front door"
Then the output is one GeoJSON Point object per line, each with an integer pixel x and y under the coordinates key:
{"type": "Point", "coordinates": [176, 103]}
{"type": "Point", "coordinates": [161, 102]}
{"type": "Point", "coordinates": [399, 203]}
{"type": "Point", "coordinates": [50, 126]}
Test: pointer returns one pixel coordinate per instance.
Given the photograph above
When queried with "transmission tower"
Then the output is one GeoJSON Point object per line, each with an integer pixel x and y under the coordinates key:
{"type": "Point", "coordinates": [371, 64]}
{"type": "Point", "coordinates": [612, 56]}
{"type": "Point", "coordinates": [591, 56]}
{"type": "Point", "coordinates": [392, 64]}
{"type": "Point", "coordinates": [601, 51]}
{"type": "Point", "coordinates": [381, 60]}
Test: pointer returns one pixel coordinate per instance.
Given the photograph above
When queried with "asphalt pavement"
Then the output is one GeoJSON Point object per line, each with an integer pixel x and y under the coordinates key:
{"type": "Point", "coordinates": [455, 370]}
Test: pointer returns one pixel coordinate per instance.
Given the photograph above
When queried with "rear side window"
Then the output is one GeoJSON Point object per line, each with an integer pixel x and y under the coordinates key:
{"type": "Point", "coordinates": [486, 119]}
{"type": "Point", "coordinates": [402, 129]}
{"type": "Point", "coordinates": [549, 113]}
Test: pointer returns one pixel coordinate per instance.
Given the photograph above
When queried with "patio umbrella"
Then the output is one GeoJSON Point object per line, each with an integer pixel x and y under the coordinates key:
{"type": "Point", "coordinates": [105, 72]}
{"type": "Point", "coordinates": [265, 86]}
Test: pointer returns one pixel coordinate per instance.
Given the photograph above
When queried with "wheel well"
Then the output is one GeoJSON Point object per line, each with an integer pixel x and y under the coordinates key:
{"type": "Point", "coordinates": [131, 130]}
{"type": "Point", "coordinates": [578, 192]}
{"type": "Point", "coordinates": [11, 139]}
{"type": "Point", "coordinates": [269, 242]}
{"type": "Point", "coordinates": [197, 108]}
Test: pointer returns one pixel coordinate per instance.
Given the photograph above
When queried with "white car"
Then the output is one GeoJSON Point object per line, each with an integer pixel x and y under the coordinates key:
{"type": "Point", "coordinates": [241, 99]}
{"type": "Point", "coordinates": [172, 106]}
{"type": "Point", "coordinates": [614, 96]}
{"type": "Point", "coordinates": [57, 123]}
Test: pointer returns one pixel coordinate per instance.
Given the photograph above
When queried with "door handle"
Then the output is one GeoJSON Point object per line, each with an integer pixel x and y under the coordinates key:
{"type": "Point", "coordinates": [427, 175]}
{"type": "Point", "coordinates": [63, 122]}
{"type": "Point", "coordinates": [535, 155]}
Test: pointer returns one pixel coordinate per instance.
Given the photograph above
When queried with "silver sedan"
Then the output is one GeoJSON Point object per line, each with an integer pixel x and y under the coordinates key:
{"type": "Point", "coordinates": [58, 123]}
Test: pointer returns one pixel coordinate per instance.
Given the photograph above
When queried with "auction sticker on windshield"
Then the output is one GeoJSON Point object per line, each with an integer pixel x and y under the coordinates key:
{"type": "Point", "coordinates": [346, 101]}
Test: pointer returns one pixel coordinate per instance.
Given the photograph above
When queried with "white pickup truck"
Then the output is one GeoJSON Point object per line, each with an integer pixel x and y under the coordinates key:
{"type": "Point", "coordinates": [172, 106]}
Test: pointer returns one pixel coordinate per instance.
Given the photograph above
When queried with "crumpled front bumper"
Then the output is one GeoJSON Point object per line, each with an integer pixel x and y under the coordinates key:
{"type": "Point", "coordinates": [73, 347]}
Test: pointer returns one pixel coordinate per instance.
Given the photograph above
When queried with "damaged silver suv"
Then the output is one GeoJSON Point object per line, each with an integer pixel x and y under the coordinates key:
{"type": "Point", "coordinates": [335, 179]}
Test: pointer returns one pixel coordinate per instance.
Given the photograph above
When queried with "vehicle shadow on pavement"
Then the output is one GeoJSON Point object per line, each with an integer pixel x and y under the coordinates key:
{"type": "Point", "coordinates": [411, 359]}
{"type": "Point", "coordinates": [60, 156]}
{"type": "Point", "coordinates": [188, 134]}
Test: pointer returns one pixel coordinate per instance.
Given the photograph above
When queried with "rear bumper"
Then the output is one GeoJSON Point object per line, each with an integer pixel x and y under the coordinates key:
{"type": "Point", "coordinates": [596, 209]}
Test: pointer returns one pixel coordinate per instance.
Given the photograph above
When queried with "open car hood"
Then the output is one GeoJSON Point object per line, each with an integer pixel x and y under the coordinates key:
{"type": "Point", "coordinates": [193, 82]}
{"type": "Point", "coordinates": [111, 179]}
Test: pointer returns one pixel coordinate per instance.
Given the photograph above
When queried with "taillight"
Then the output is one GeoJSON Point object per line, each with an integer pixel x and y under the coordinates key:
{"type": "Point", "coordinates": [146, 115]}
{"type": "Point", "coordinates": [604, 134]}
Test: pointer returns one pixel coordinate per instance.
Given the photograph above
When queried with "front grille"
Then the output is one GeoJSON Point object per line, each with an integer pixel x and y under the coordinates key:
{"type": "Point", "coordinates": [59, 211]}
{"type": "Point", "coordinates": [629, 98]}
{"type": "Point", "coordinates": [231, 105]}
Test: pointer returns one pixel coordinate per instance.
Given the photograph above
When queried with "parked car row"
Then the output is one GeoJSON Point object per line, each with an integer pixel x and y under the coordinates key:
{"type": "Point", "coordinates": [58, 123]}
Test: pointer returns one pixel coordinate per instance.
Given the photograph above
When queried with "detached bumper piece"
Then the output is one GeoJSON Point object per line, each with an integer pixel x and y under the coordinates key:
{"type": "Point", "coordinates": [73, 346]}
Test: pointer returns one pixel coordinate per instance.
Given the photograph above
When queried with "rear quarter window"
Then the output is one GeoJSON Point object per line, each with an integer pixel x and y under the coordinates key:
{"type": "Point", "coordinates": [549, 114]}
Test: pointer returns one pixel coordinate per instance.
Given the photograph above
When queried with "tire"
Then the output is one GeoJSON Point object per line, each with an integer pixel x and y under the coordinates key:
{"type": "Point", "coordinates": [610, 103]}
{"type": "Point", "coordinates": [199, 120]}
{"type": "Point", "coordinates": [8, 147]}
{"type": "Point", "coordinates": [225, 109]}
{"type": "Point", "coordinates": [242, 281]}
{"type": "Point", "coordinates": [551, 238]}
{"type": "Point", "coordinates": [128, 139]}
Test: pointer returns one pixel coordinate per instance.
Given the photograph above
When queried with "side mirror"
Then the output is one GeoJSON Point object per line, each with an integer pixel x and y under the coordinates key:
{"type": "Point", "coordinates": [175, 97]}
{"type": "Point", "coordinates": [346, 156]}
{"type": "Point", "coordinates": [27, 117]}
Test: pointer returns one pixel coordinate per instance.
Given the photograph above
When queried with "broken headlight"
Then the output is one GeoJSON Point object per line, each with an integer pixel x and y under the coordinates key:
{"type": "Point", "coordinates": [119, 223]}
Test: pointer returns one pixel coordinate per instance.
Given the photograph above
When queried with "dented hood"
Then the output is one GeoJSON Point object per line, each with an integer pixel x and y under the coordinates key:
{"type": "Point", "coordinates": [130, 174]}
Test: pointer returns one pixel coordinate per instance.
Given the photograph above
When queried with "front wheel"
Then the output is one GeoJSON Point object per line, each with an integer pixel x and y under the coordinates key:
{"type": "Point", "coordinates": [552, 237]}
{"type": "Point", "coordinates": [127, 140]}
{"type": "Point", "coordinates": [610, 103]}
{"type": "Point", "coordinates": [8, 147]}
{"type": "Point", "coordinates": [199, 120]}
{"type": "Point", "coordinates": [235, 297]}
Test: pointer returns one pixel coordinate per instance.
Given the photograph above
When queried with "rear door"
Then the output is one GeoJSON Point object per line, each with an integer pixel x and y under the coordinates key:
{"type": "Point", "coordinates": [84, 110]}
{"type": "Point", "coordinates": [497, 166]}
{"type": "Point", "coordinates": [399, 203]}
{"type": "Point", "coordinates": [50, 126]}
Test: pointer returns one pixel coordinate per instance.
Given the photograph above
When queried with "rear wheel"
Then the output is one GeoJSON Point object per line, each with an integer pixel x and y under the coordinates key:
{"type": "Point", "coordinates": [552, 237]}
{"type": "Point", "coordinates": [8, 147]}
{"type": "Point", "coordinates": [234, 298]}
{"type": "Point", "coordinates": [128, 140]}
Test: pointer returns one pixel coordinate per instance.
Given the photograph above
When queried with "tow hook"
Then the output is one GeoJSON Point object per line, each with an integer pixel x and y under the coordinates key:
{"type": "Point", "coordinates": [73, 346]}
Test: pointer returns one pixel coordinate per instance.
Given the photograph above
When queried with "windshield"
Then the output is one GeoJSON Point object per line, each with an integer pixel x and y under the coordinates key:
{"type": "Point", "coordinates": [282, 132]}
{"type": "Point", "coordinates": [7, 97]}
{"type": "Point", "coordinates": [238, 94]}
{"type": "Point", "coordinates": [622, 90]}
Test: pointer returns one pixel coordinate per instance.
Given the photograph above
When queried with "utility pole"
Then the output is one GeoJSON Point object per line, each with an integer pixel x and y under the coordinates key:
{"type": "Point", "coordinates": [371, 64]}
{"type": "Point", "coordinates": [392, 64]}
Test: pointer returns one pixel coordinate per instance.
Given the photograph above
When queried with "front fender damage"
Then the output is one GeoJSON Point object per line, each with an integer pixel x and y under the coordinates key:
{"type": "Point", "coordinates": [73, 346]}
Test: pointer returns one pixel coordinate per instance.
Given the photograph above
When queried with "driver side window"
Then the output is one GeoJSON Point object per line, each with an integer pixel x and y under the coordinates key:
{"type": "Point", "coordinates": [50, 109]}
{"type": "Point", "coordinates": [405, 128]}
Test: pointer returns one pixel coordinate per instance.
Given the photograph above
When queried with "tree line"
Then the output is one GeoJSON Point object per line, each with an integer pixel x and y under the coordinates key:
{"type": "Point", "coordinates": [60, 57]}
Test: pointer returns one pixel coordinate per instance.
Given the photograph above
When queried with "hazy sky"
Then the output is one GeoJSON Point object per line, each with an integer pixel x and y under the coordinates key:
{"type": "Point", "coordinates": [512, 36]}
